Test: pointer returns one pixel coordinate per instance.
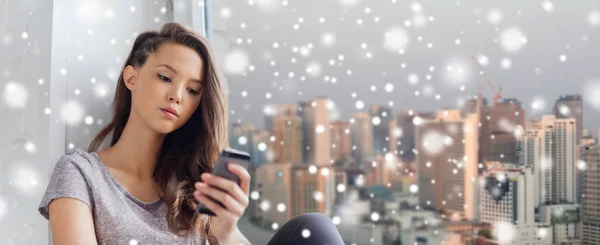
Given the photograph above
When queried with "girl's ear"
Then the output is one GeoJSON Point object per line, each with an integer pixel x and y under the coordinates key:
{"type": "Point", "coordinates": [130, 75]}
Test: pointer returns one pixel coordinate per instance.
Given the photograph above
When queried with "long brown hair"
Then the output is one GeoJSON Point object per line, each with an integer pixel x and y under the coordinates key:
{"type": "Point", "coordinates": [188, 151]}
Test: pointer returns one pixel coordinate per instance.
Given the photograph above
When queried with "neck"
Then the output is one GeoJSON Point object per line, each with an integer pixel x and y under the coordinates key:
{"type": "Point", "coordinates": [138, 147]}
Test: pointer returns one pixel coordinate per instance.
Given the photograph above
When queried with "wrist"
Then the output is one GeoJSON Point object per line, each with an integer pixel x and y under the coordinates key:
{"type": "Point", "coordinates": [234, 237]}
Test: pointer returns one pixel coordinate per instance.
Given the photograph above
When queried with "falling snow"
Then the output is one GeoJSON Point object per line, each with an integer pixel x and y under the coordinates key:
{"type": "Point", "coordinates": [15, 95]}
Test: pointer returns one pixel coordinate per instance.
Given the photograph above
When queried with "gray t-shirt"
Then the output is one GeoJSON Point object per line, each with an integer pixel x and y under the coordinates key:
{"type": "Point", "coordinates": [119, 217]}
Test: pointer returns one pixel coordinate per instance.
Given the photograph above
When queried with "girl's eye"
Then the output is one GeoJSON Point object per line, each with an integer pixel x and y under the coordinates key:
{"type": "Point", "coordinates": [194, 92]}
{"type": "Point", "coordinates": [164, 78]}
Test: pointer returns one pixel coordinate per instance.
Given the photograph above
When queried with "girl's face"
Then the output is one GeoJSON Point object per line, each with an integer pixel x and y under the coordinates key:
{"type": "Point", "coordinates": [169, 80]}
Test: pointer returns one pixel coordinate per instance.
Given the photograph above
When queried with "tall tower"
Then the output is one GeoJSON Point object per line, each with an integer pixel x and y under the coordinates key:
{"type": "Point", "coordinates": [381, 116]}
{"type": "Point", "coordinates": [341, 141]}
{"type": "Point", "coordinates": [571, 106]}
{"type": "Point", "coordinates": [447, 163]}
{"type": "Point", "coordinates": [317, 130]}
{"type": "Point", "coordinates": [549, 146]}
{"type": "Point", "coordinates": [362, 137]}
{"type": "Point", "coordinates": [506, 194]}
{"type": "Point", "coordinates": [498, 124]}
{"type": "Point", "coordinates": [505, 198]}
{"type": "Point", "coordinates": [591, 198]}
{"type": "Point", "coordinates": [287, 130]}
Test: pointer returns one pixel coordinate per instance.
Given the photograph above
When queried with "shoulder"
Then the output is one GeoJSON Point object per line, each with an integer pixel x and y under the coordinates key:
{"type": "Point", "coordinates": [80, 158]}
{"type": "Point", "coordinates": [78, 161]}
{"type": "Point", "coordinates": [75, 175]}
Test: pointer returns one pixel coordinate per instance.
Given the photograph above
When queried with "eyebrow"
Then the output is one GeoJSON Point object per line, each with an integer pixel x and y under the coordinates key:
{"type": "Point", "coordinates": [175, 71]}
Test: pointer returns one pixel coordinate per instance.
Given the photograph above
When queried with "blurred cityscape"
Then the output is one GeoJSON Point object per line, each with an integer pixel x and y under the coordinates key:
{"type": "Point", "coordinates": [480, 174]}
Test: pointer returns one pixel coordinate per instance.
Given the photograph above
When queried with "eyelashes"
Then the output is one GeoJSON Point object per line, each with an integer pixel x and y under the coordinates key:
{"type": "Point", "coordinates": [164, 78]}
{"type": "Point", "coordinates": [167, 79]}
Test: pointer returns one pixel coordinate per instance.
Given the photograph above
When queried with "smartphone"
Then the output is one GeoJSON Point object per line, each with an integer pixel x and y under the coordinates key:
{"type": "Point", "coordinates": [227, 156]}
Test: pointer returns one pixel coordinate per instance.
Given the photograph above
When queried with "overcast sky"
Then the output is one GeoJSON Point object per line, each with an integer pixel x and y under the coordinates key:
{"type": "Point", "coordinates": [536, 50]}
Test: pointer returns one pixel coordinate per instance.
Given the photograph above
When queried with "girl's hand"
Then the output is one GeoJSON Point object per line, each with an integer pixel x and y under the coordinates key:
{"type": "Point", "coordinates": [232, 196]}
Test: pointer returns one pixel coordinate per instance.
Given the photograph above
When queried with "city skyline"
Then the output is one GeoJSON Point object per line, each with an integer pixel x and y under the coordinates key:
{"type": "Point", "coordinates": [506, 171]}
{"type": "Point", "coordinates": [271, 110]}
{"type": "Point", "coordinates": [551, 62]}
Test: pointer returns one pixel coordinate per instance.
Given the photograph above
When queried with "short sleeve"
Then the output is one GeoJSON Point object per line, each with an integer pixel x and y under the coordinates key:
{"type": "Point", "coordinates": [70, 178]}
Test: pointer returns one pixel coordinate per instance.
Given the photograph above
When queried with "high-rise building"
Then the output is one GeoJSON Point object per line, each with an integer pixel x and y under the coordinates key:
{"type": "Point", "coordinates": [317, 131]}
{"type": "Point", "coordinates": [498, 124]}
{"type": "Point", "coordinates": [405, 132]}
{"type": "Point", "coordinates": [549, 146]}
{"type": "Point", "coordinates": [585, 133]}
{"type": "Point", "coordinates": [270, 111]}
{"type": "Point", "coordinates": [505, 194]}
{"type": "Point", "coordinates": [394, 134]}
{"type": "Point", "coordinates": [287, 129]}
{"type": "Point", "coordinates": [586, 143]}
{"type": "Point", "coordinates": [591, 196]}
{"type": "Point", "coordinates": [564, 221]}
{"type": "Point", "coordinates": [287, 190]}
{"type": "Point", "coordinates": [341, 141]}
{"type": "Point", "coordinates": [245, 137]}
{"type": "Point", "coordinates": [381, 116]}
{"type": "Point", "coordinates": [273, 185]}
{"type": "Point", "coordinates": [383, 170]}
{"type": "Point", "coordinates": [571, 106]}
{"type": "Point", "coordinates": [504, 119]}
{"type": "Point", "coordinates": [362, 137]}
{"type": "Point", "coordinates": [447, 163]}
{"type": "Point", "coordinates": [241, 137]}
{"type": "Point", "coordinates": [505, 200]}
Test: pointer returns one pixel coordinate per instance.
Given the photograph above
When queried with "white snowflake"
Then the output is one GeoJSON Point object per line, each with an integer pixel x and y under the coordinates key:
{"type": "Point", "coordinates": [433, 142]}
{"type": "Point", "coordinates": [413, 79]}
{"type": "Point", "coordinates": [24, 178]}
{"type": "Point", "coordinates": [395, 39]}
{"type": "Point", "coordinates": [281, 207]}
{"type": "Point", "coordinates": [504, 232]}
{"type": "Point", "coordinates": [359, 105]}
{"type": "Point", "coordinates": [262, 146]}
{"type": "Point", "coordinates": [563, 58]}
{"type": "Point", "coordinates": [538, 104]}
{"type": "Point", "coordinates": [414, 188]}
{"type": "Point", "coordinates": [254, 195]}
{"type": "Point", "coordinates": [375, 216]}
{"type": "Point", "coordinates": [593, 18]}
{"type": "Point", "coordinates": [349, 3]}
{"type": "Point", "coordinates": [15, 95]}
{"type": "Point", "coordinates": [236, 62]}
{"type": "Point", "coordinates": [318, 196]}
{"type": "Point", "coordinates": [265, 205]}
{"type": "Point", "coordinates": [72, 113]}
{"type": "Point", "coordinates": [494, 16]}
{"type": "Point", "coordinates": [548, 6]}
{"type": "Point", "coordinates": [506, 63]}
{"type": "Point", "coordinates": [313, 69]}
{"type": "Point", "coordinates": [512, 39]}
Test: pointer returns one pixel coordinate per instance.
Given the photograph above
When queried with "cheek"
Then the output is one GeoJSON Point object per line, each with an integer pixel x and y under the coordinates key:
{"type": "Point", "coordinates": [147, 94]}
{"type": "Point", "coordinates": [192, 110]}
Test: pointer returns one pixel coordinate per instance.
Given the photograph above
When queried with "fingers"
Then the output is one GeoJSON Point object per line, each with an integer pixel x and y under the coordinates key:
{"type": "Point", "coordinates": [225, 198]}
{"type": "Point", "coordinates": [244, 176]}
{"type": "Point", "coordinates": [212, 206]}
{"type": "Point", "coordinates": [226, 185]}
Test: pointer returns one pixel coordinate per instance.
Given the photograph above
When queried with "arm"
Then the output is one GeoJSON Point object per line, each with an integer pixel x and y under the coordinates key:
{"type": "Point", "coordinates": [235, 238]}
{"type": "Point", "coordinates": [71, 222]}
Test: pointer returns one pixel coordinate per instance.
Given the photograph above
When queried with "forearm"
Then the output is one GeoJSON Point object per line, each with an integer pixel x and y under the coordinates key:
{"type": "Point", "coordinates": [235, 238]}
